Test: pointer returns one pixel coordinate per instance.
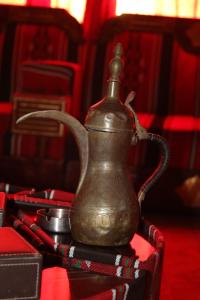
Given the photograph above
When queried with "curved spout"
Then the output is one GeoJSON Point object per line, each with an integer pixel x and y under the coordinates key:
{"type": "Point", "coordinates": [78, 131]}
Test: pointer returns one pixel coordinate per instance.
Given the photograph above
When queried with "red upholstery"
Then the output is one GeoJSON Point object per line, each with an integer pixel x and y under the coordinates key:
{"type": "Point", "coordinates": [52, 77]}
{"type": "Point", "coordinates": [165, 77]}
{"type": "Point", "coordinates": [37, 42]}
{"type": "Point", "coordinates": [5, 121]}
{"type": "Point", "coordinates": [39, 56]}
{"type": "Point", "coordinates": [45, 79]}
{"type": "Point", "coordinates": [48, 80]}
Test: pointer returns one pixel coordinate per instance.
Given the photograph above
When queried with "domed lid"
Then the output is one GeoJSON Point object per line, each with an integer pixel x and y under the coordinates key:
{"type": "Point", "coordinates": [110, 114]}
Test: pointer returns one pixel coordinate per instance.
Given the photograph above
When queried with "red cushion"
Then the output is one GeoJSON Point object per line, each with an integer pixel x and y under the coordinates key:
{"type": "Point", "coordinates": [47, 77]}
{"type": "Point", "coordinates": [183, 123]}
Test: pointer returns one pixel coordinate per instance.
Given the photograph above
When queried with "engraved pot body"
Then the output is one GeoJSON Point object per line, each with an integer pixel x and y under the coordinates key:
{"type": "Point", "coordinates": [106, 210]}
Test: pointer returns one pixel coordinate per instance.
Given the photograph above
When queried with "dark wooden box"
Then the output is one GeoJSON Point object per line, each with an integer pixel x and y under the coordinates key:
{"type": "Point", "coordinates": [20, 267]}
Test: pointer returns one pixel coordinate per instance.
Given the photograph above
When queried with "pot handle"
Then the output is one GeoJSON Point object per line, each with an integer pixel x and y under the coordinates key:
{"type": "Point", "coordinates": [142, 134]}
{"type": "Point", "coordinates": [161, 167]}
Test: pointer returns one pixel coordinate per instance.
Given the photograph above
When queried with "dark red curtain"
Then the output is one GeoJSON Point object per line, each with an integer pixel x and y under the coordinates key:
{"type": "Point", "coordinates": [96, 13]}
{"type": "Point", "coordinates": [44, 3]}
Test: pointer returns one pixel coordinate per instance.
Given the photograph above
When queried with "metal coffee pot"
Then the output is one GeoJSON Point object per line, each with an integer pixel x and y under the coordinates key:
{"type": "Point", "coordinates": [106, 209]}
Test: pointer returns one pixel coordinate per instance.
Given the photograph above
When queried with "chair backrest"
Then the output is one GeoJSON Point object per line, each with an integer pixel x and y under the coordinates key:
{"type": "Point", "coordinates": [156, 51]}
{"type": "Point", "coordinates": [33, 33]}
{"type": "Point", "coordinates": [24, 104]}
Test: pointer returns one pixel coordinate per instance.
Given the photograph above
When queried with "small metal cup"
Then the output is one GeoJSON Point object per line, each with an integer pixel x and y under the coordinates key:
{"type": "Point", "coordinates": [54, 220]}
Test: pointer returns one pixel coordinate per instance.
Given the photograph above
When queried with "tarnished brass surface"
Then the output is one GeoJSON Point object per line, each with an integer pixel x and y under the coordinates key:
{"type": "Point", "coordinates": [105, 211]}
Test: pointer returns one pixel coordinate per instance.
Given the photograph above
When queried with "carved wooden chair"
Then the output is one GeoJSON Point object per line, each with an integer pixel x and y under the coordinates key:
{"type": "Point", "coordinates": [45, 73]}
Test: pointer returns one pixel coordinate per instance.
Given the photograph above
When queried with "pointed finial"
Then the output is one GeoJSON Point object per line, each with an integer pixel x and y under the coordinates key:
{"type": "Point", "coordinates": [116, 65]}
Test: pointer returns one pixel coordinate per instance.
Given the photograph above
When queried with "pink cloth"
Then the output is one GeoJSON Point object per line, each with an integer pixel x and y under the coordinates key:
{"type": "Point", "coordinates": [55, 284]}
{"type": "Point", "coordinates": [143, 248]}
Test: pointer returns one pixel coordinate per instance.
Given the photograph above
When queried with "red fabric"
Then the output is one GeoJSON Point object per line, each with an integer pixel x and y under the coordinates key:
{"type": "Point", "coordinates": [95, 14]}
{"type": "Point", "coordinates": [184, 82]}
{"type": "Point", "coordinates": [52, 79]}
{"type": "Point", "coordinates": [13, 243]}
{"type": "Point", "coordinates": [143, 249]}
{"type": "Point", "coordinates": [5, 122]}
{"type": "Point", "coordinates": [182, 150]}
{"type": "Point", "coordinates": [2, 37]}
{"type": "Point", "coordinates": [34, 42]}
{"type": "Point", "coordinates": [181, 273]}
{"type": "Point", "coordinates": [146, 120]}
{"type": "Point", "coordinates": [46, 3]}
{"type": "Point", "coordinates": [182, 132]}
{"type": "Point", "coordinates": [55, 284]}
{"type": "Point", "coordinates": [37, 78]}
{"type": "Point", "coordinates": [5, 108]}
{"type": "Point", "coordinates": [180, 123]}
{"type": "Point", "coordinates": [18, 197]}
{"type": "Point", "coordinates": [2, 200]}
{"type": "Point", "coordinates": [197, 158]}
{"type": "Point", "coordinates": [27, 146]}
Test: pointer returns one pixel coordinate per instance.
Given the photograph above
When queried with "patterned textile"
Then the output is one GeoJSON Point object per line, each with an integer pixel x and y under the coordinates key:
{"type": "Point", "coordinates": [122, 265]}
{"type": "Point", "coordinates": [40, 69]}
{"type": "Point", "coordinates": [30, 145]}
{"type": "Point", "coordinates": [54, 195]}
{"type": "Point", "coordinates": [74, 252]}
{"type": "Point", "coordinates": [38, 237]}
{"type": "Point", "coordinates": [133, 270]}
{"type": "Point", "coordinates": [37, 42]}
{"type": "Point", "coordinates": [52, 78]}
{"type": "Point", "coordinates": [12, 189]}
{"type": "Point", "coordinates": [102, 255]}
{"type": "Point", "coordinates": [116, 263]}
{"type": "Point", "coordinates": [48, 80]}
{"type": "Point", "coordinates": [48, 198]}
{"type": "Point", "coordinates": [47, 194]}
{"type": "Point", "coordinates": [22, 228]}
{"type": "Point", "coordinates": [118, 293]}
{"type": "Point", "coordinates": [55, 285]}
{"type": "Point", "coordinates": [47, 77]}
{"type": "Point", "coordinates": [37, 202]}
